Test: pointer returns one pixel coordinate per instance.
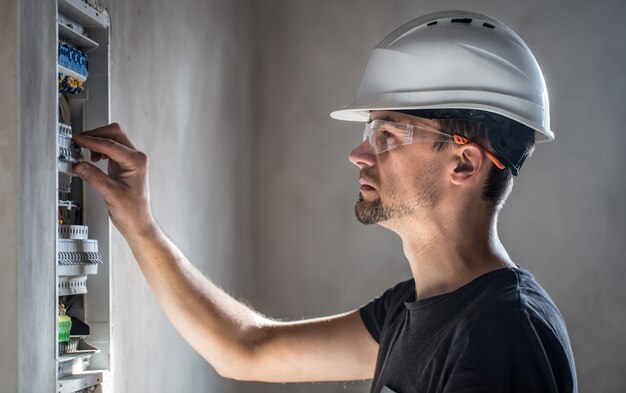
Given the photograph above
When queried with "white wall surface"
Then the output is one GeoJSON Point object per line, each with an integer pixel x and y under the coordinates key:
{"type": "Point", "coordinates": [178, 83]}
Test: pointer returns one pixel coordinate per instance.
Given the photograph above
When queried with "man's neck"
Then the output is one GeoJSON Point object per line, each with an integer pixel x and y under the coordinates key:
{"type": "Point", "coordinates": [448, 253]}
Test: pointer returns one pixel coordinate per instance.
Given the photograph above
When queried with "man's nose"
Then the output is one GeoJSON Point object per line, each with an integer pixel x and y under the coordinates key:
{"type": "Point", "coordinates": [363, 155]}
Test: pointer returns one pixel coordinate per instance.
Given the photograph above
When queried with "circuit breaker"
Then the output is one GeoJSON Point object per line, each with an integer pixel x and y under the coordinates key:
{"type": "Point", "coordinates": [82, 257]}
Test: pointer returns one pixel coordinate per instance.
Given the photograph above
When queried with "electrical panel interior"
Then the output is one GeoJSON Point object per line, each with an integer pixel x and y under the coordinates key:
{"type": "Point", "coordinates": [82, 265]}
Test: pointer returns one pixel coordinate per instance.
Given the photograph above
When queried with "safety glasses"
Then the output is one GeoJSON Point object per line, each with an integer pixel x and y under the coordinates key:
{"type": "Point", "coordinates": [385, 135]}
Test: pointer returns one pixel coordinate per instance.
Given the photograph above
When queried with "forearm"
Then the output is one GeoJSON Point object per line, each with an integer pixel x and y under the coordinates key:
{"type": "Point", "coordinates": [238, 342]}
{"type": "Point", "coordinates": [220, 328]}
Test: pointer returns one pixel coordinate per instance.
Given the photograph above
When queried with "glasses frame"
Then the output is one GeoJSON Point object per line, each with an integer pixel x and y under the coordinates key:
{"type": "Point", "coordinates": [407, 132]}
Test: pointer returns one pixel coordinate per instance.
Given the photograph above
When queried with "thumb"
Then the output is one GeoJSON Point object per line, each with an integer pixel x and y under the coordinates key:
{"type": "Point", "coordinates": [95, 177]}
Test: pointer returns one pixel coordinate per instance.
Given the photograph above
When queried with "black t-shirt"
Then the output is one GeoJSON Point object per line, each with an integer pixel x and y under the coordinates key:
{"type": "Point", "coordinates": [499, 333]}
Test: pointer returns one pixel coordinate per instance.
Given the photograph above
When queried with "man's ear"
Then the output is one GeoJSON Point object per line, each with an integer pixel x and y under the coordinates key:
{"type": "Point", "coordinates": [468, 161]}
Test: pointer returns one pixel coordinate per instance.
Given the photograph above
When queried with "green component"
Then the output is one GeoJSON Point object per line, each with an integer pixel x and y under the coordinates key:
{"type": "Point", "coordinates": [64, 325]}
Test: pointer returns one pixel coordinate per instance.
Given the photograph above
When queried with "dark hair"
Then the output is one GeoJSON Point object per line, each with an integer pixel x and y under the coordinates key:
{"type": "Point", "coordinates": [499, 181]}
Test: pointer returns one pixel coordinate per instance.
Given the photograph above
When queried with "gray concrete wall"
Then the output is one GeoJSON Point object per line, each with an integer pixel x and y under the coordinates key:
{"type": "Point", "coordinates": [178, 88]}
{"type": "Point", "coordinates": [37, 196]}
{"type": "Point", "coordinates": [564, 221]}
{"type": "Point", "coordinates": [9, 191]}
{"type": "Point", "coordinates": [27, 191]}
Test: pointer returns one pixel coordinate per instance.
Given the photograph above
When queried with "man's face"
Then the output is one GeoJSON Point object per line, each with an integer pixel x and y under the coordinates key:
{"type": "Point", "coordinates": [400, 182]}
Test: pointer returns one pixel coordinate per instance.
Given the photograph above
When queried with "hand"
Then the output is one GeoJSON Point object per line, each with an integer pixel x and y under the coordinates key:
{"type": "Point", "coordinates": [125, 190]}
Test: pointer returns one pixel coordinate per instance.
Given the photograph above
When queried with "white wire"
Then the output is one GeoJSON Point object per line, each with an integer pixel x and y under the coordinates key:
{"type": "Point", "coordinates": [69, 205]}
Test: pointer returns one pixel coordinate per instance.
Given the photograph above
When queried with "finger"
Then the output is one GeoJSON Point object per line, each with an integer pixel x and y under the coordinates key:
{"type": "Point", "coordinates": [95, 156]}
{"type": "Point", "coordinates": [95, 177]}
{"type": "Point", "coordinates": [111, 131]}
{"type": "Point", "coordinates": [126, 157]}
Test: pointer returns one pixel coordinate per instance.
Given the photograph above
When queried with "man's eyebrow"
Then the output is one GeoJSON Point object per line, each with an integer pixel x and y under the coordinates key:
{"type": "Point", "coordinates": [386, 118]}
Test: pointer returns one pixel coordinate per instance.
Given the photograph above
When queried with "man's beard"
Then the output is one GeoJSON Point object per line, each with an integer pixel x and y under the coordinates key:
{"type": "Point", "coordinates": [378, 210]}
{"type": "Point", "coordinates": [371, 212]}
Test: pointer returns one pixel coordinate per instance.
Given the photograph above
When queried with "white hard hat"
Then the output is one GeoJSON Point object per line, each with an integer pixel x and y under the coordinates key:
{"type": "Point", "coordinates": [454, 60]}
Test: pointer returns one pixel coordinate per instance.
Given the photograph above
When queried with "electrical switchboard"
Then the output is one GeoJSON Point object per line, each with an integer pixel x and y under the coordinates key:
{"type": "Point", "coordinates": [82, 258]}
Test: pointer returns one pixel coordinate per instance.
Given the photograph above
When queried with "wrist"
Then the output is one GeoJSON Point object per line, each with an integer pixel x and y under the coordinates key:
{"type": "Point", "coordinates": [143, 231]}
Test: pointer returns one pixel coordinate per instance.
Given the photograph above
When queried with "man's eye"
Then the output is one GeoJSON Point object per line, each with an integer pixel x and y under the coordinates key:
{"type": "Point", "coordinates": [387, 134]}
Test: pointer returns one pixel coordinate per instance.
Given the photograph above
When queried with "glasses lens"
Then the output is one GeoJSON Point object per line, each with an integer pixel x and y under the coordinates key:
{"type": "Point", "coordinates": [386, 135]}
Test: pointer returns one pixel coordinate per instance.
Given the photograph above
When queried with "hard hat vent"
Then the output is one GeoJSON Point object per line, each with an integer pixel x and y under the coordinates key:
{"type": "Point", "coordinates": [463, 20]}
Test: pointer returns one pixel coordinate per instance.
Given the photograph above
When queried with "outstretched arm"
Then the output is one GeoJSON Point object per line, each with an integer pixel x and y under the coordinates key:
{"type": "Point", "coordinates": [236, 340]}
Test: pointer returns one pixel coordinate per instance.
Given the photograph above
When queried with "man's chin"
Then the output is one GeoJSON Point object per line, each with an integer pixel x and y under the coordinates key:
{"type": "Point", "coordinates": [369, 212]}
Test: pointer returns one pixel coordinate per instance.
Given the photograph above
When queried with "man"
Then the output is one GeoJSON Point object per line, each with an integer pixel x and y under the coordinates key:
{"type": "Point", "coordinates": [453, 103]}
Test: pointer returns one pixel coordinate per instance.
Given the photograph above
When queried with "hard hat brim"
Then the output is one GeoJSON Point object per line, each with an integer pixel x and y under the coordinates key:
{"type": "Point", "coordinates": [360, 111]}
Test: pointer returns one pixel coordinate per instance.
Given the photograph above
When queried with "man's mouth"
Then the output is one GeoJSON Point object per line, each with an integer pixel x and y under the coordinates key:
{"type": "Point", "coordinates": [366, 185]}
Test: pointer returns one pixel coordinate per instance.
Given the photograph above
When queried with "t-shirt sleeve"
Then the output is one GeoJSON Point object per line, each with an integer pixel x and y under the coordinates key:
{"type": "Point", "coordinates": [375, 312]}
{"type": "Point", "coordinates": [507, 352]}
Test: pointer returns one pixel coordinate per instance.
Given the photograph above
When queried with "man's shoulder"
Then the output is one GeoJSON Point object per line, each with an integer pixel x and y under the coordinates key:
{"type": "Point", "coordinates": [527, 294]}
{"type": "Point", "coordinates": [513, 344]}
{"type": "Point", "coordinates": [510, 289]}
{"type": "Point", "coordinates": [514, 302]}
{"type": "Point", "coordinates": [517, 327]}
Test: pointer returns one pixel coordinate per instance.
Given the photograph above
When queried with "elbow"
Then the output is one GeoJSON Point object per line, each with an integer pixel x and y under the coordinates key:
{"type": "Point", "coordinates": [228, 373]}
{"type": "Point", "coordinates": [239, 369]}
{"type": "Point", "coordinates": [241, 362]}
{"type": "Point", "coordinates": [229, 366]}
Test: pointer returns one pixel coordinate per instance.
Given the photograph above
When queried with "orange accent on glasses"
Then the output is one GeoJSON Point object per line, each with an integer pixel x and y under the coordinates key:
{"type": "Point", "coordinates": [461, 140]}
